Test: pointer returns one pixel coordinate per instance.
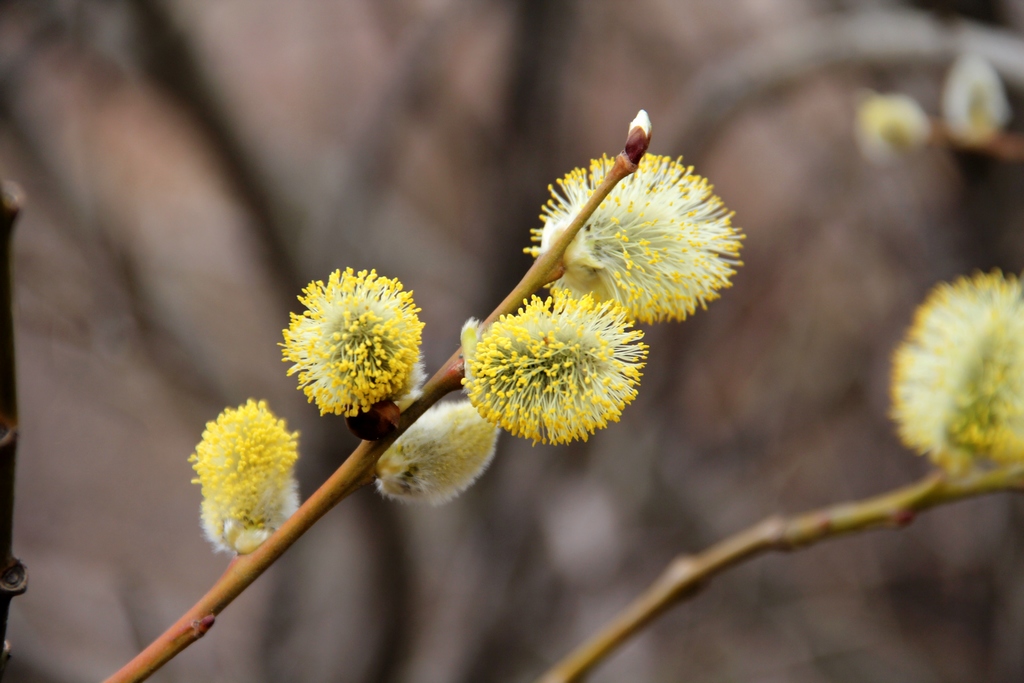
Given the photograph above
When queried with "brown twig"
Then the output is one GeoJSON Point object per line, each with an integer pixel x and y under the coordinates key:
{"type": "Point", "coordinates": [1002, 145]}
{"type": "Point", "coordinates": [355, 472]}
{"type": "Point", "coordinates": [13, 575]}
{"type": "Point", "coordinates": [686, 574]}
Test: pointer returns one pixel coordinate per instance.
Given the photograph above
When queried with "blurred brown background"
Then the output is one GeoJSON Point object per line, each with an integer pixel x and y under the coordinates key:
{"type": "Point", "coordinates": [190, 165]}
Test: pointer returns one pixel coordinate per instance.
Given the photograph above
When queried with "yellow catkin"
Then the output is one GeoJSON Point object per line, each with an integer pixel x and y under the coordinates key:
{"type": "Point", "coordinates": [661, 244]}
{"type": "Point", "coordinates": [439, 456]}
{"type": "Point", "coordinates": [244, 464]}
{"type": "Point", "coordinates": [356, 344]}
{"type": "Point", "coordinates": [558, 369]}
{"type": "Point", "coordinates": [958, 377]}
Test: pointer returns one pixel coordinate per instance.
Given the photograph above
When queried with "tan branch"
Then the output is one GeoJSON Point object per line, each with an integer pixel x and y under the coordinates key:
{"type": "Point", "coordinates": [686, 574]}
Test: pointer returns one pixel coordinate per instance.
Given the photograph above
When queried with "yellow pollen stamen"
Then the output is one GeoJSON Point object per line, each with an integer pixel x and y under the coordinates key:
{"type": "Point", "coordinates": [958, 378]}
{"type": "Point", "coordinates": [662, 246]}
{"type": "Point", "coordinates": [533, 373]}
{"type": "Point", "coordinates": [356, 344]}
{"type": "Point", "coordinates": [244, 465]}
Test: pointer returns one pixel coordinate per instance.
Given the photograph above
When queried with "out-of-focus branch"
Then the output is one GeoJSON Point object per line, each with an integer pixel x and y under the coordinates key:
{"type": "Point", "coordinates": [1002, 145]}
{"type": "Point", "coordinates": [870, 38]}
{"type": "Point", "coordinates": [686, 574]}
{"type": "Point", "coordinates": [356, 471]}
{"type": "Point", "coordinates": [13, 575]}
{"type": "Point", "coordinates": [172, 57]}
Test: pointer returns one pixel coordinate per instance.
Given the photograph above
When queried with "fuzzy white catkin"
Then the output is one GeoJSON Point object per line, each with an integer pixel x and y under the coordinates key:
{"type": "Point", "coordinates": [439, 456]}
{"type": "Point", "coordinates": [890, 125]}
{"type": "Point", "coordinates": [974, 102]}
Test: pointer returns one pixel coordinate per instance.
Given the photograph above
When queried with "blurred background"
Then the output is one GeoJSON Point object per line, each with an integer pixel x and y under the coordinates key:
{"type": "Point", "coordinates": [190, 165]}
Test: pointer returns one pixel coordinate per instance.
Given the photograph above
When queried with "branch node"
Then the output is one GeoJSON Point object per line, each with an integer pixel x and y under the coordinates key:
{"type": "Point", "coordinates": [680, 570]}
{"type": "Point", "coordinates": [902, 517]}
{"type": "Point", "coordinates": [774, 530]}
{"type": "Point", "coordinates": [456, 371]}
{"type": "Point", "coordinates": [824, 525]}
{"type": "Point", "coordinates": [14, 580]}
{"type": "Point", "coordinates": [201, 626]}
{"type": "Point", "coordinates": [12, 198]}
{"type": "Point", "coordinates": [627, 164]}
{"type": "Point", "coordinates": [558, 272]}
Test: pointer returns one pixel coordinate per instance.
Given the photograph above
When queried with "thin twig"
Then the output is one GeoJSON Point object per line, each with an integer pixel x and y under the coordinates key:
{"type": "Point", "coordinates": [355, 472]}
{"type": "Point", "coordinates": [1003, 145]}
{"type": "Point", "coordinates": [13, 575]}
{"type": "Point", "coordinates": [686, 574]}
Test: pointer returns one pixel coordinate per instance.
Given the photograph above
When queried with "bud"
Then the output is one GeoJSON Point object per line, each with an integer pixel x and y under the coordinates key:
{"type": "Point", "coordinates": [376, 423]}
{"type": "Point", "coordinates": [638, 138]}
{"type": "Point", "coordinates": [201, 626]}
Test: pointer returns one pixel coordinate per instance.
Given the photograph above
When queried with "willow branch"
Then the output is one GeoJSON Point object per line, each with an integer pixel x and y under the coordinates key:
{"type": "Point", "coordinates": [876, 37]}
{"type": "Point", "coordinates": [686, 574]}
{"type": "Point", "coordinates": [356, 471]}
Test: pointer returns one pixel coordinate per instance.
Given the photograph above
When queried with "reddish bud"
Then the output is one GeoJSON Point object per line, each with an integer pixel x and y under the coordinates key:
{"type": "Point", "coordinates": [376, 423]}
{"type": "Point", "coordinates": [903, 517]}
{"type": "Point", "coordinates": [639, 137]}
{"type": "Point", "coordinates": [201, 626]}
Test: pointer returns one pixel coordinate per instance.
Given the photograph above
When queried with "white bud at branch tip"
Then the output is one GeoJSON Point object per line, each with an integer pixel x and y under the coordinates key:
{"type": "Point", "coordinates": [643, 121]}
{"type": "Point", "coordinates": [639, 137]}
